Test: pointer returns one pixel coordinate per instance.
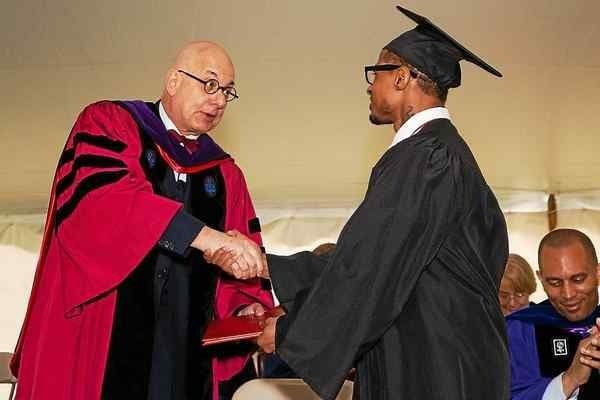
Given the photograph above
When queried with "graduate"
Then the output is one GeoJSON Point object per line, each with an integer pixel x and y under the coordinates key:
{"type": "Point", "coordinates": [122, 294]}
{"type": "Point", "coordinates": [410, 295]}
{"type": "Point", "coordinates": [554, 345]}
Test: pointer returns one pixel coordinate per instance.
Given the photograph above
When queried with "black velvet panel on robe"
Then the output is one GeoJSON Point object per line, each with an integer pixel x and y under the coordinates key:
{"type": "Point", "coordinates": [409, 296]}
{"type": "Point", "coordinates": [164, 306]}
{"type": "Point", "coordinates": [553, 362]}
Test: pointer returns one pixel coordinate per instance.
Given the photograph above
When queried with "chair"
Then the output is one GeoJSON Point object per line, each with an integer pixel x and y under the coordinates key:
{"type": "Point", "coordinates": [284, 389]}
{"type": "Point", "coordinates": [5, 375]}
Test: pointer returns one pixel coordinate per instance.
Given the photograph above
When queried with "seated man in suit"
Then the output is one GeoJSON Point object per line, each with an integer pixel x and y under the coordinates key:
{"type": "Point", "coordinates": [555, 345]}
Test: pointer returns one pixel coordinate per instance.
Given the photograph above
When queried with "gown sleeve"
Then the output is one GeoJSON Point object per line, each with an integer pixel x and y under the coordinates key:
{"type": "Point", "coordinates": [291, 275]}
{"type": "Point", "coordinates": [107, 217]}
{"type": "Point", "coordinates": [527, 382]}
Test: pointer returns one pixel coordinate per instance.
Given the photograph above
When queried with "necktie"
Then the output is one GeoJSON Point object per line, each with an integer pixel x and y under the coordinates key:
{"type": "Point", "coordinates": [190, 145]}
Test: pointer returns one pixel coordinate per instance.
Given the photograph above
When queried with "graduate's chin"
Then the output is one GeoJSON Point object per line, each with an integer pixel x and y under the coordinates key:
{"type": "Point", "coordinates": [375, 121]}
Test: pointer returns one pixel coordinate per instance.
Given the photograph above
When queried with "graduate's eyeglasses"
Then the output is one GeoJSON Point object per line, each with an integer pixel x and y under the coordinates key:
{"type": "Point", "coordinates": [212, 86]}
{"type": "Point", "coordinates": [371, 71]}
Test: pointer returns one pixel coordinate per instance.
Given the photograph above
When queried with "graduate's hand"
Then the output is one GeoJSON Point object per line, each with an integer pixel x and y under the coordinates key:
{"type": "Point", "coordinates": [239, 256]}
{"type": "Point", "coordinates": [255, 309]}
{"type": "Point", "coordinates": [266, 341]}
{"type": "Point", "coordinates": [225, 259]}
{"type": "Point", "coordinates": [585, 360]}
{"type": "Point", "coordinates": [221, 256]}
{"type": "Point", "coordinates": [265, 273]}
{"type": "Point", "coordinates": [263, 268]}
{"type": "Point", "coordinates": [277, 312]}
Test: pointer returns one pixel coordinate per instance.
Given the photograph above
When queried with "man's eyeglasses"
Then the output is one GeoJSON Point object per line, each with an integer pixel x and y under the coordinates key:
{"type": "Point", "coordinates": [211, 86]}
{"type": "Point", "coordinates": [371, 70]}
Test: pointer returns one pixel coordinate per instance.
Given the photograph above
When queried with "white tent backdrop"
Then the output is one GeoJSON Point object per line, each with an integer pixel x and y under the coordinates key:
{"type": "Point", "coordinates": [300, 129]}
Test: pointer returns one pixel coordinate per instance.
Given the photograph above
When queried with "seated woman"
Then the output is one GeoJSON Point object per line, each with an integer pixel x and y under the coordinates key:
{"type": "Point", "coordinates": [518, 283]}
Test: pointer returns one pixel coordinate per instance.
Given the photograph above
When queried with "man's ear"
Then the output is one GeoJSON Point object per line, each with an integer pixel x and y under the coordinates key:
{"type": "Point", "coordinates": [539, 275]}
{"type": "Point", "coordinates": [401, 78]}
{"type": "Point", "coordinates": [598, 272]}
{"type": "Point", "coordinates": [172, 81]}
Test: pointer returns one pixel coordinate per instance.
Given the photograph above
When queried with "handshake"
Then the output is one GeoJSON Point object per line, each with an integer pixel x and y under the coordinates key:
{"type": "Point", "coordinates": [239, 256]}
{"type": "Point", "coordinates": [233, 252]}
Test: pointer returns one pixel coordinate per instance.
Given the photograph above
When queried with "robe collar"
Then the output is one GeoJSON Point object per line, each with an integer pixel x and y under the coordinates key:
{"type": "Point", "coordinates": [546, 315]}
{"type": "Point", "coordinates": [152, 125]}
{"type": "Point", "coordinates": [416, 122]}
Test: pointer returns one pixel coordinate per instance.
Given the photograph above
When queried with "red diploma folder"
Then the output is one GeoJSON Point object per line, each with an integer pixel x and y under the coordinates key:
{"type": "Point", "coordinates": [236, 328]}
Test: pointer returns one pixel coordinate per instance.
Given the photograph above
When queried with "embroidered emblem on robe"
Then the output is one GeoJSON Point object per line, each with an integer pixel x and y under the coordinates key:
{"type": "Point", "coordinates": [210, 186]}
{"type": "Point", "coordinates": [559, 347]}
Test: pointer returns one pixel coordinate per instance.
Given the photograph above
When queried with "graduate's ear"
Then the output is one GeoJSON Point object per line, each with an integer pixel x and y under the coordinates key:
{"type": "Point", "coordinates": [401, 78]}
{"type": "Point", "coordinates": [172, 81]}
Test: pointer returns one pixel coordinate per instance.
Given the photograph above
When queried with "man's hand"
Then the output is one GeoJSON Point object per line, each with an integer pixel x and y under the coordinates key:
{"type": "Point", "coordinates": [264, 273]}
{"type": "Point", "coordinates": [586, 359]}
{"type": "Point", "coordinates": [238, 255]}
{"type": "Point", "coordinates": [266, 341]}
{"type": "Point", "coordinates": [255, 309]}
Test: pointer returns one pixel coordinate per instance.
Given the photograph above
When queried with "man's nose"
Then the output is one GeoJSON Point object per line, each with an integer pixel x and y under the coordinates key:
{"type": "Point", "coordinates": [568, 291]}
{"type": "Point", "coordinates": [218, 98]}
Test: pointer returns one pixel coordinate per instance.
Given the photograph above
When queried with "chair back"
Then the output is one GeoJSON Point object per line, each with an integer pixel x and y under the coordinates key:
{"type": "Point", "coordinates": [5, 375]}
{"type": "Point", "coordinates": [284, 389]}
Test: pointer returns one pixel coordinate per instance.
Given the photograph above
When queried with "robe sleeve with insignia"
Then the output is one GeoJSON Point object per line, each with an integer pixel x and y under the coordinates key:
{"type": "Point", "coordinates": [107, 216]}
{"type": "Point", "coordinates": [103, 219]}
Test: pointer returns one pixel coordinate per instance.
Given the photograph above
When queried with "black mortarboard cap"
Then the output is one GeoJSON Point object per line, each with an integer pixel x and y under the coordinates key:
{"type": "Point", "coordinates": [433, 52]}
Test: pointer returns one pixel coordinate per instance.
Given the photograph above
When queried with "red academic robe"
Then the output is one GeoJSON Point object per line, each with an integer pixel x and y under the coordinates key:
{"type": "Point", "coordinates": [103, 219]}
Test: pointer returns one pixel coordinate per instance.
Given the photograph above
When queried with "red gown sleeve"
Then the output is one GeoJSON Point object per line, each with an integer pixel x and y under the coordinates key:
{"type": "Point", "coordinates": [107, 216]}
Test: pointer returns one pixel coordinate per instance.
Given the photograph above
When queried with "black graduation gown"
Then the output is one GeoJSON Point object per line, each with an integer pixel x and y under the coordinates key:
{"type": "Point", "coordinates": [409, 296]}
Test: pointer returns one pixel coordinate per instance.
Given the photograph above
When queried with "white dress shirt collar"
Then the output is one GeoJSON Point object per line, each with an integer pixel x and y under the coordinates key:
{"type": "Point", "coordinates": [165, 118]}
{"type": "Point", "coordinates": [168, 123]}
{"type": "Point", "coordinates": [416, 122]}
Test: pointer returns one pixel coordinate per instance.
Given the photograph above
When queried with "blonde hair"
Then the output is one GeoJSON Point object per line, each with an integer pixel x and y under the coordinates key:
{"type": "Point", "coordinates": [519, 272]}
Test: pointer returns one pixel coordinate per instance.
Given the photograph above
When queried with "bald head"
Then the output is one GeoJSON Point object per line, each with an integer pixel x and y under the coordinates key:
{"type": "Point", "coordinates": [198, 55]}
{"type": "Point", "coordinates": [569, 273]}
{"type": "Point", "coordinates": [560, 238]}
{"type": "Point", "coordinates": [188, 104]}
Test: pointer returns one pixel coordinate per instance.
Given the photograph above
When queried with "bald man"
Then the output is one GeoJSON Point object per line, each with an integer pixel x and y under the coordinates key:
{"type": "Point", "coordinates": [555, 345]}
{"type": "Point", "coordinates": [122, 293]}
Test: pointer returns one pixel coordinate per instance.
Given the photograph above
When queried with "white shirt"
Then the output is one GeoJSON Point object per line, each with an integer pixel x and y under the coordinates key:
{"type": "Point", "coordinates": [170, 125]}
{"type": "Point", "coordinates": [416, 122]}
{"type": "Point", "coordinates": [554, 390]}
{"type": "Point", "coordinates": [165, 118]}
